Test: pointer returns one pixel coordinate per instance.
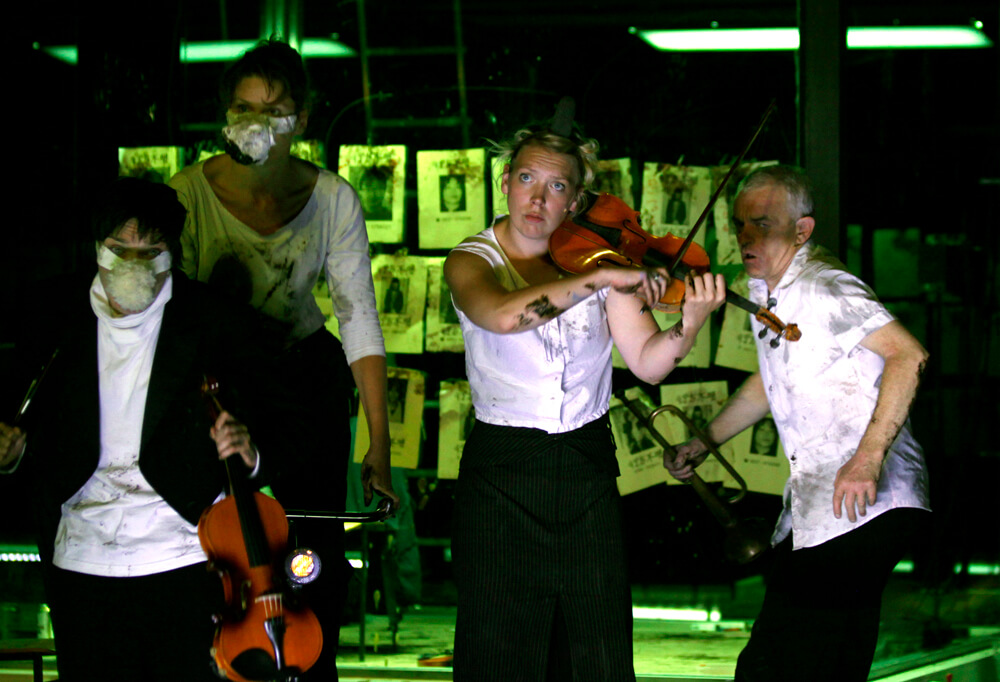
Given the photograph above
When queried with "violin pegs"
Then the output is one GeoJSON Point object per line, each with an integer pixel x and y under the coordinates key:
{"type": "Point", "coordinates": [774, 341]}
{"type": "Point", "coordinates": [762, 333]}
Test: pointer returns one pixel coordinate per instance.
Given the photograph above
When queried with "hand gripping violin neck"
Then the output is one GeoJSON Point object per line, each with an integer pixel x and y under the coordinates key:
{"type": "Point", "coordinates": [264, 636]}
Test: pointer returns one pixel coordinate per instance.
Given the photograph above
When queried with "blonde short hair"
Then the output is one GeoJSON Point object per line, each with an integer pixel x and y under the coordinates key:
{"type": "Point", "coordinates": [582, 149]}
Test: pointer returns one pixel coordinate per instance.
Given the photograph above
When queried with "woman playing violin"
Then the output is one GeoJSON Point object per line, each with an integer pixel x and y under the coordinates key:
{"type": "Point", "coordinates": [537, 539]}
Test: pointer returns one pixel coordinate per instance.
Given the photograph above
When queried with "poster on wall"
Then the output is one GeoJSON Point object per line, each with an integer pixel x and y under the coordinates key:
{"type": "Point", "coordinates": [401, 297]}
{"type": "Point", "coordinates": [405, 401]}
{"type": "Point", "coordinates": [700, 354]}
{"type": "Point", "coordinates": [727, 250]}
{"type": "Point", "coordinates": [699, 402]}
{"type": "Point", "coordinates": [457, 418]}
{"type": "Point", "coordinates": [378, 175]}
{"type": "Point", "coordinates": [640, 458]}
{"type": "Point", "coordinates": [451, 194]}
{"type": "Point", "coordinates": [614, 176]}
{"type": "Point", "coordinates": [673, 197]}
{"type": "Point", "coordinates": [312, 151]}
{"type": "Point", "coordinates": [499, 201]}
{"type": "Point", "coordinates": [443, 331]}
{"type": "Point", "coordinates": [156, 164]}
{"type": "Point", "coordinates": [737, 348]}
{"type": "Point", "coordinates": [759, 458]}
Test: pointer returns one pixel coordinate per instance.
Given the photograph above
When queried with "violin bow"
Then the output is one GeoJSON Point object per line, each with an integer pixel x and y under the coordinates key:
{"type": "Point", "coordinates": [718, 191]}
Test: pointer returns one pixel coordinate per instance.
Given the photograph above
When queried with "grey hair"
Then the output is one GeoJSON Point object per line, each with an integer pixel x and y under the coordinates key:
{"type": "Point", "coordinates": [793, 179]}
{"type": "Point", "coordinates": [582, 149]}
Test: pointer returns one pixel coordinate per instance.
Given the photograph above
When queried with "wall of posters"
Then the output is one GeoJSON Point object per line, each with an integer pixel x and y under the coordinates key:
{"type": "Point", "coordinates": [499, 201]}
{"type": "Point", "coordinates": [312, 151]}
{"type": "Point", "coordinates": [614, 176]}
{"type": "Point", "coordinates": [157, 164]}
{"type": "Point", "coordinates": [673, 197]}
{"type": "Point", "coordinates": [378, 175]}
{"type": "Point", "coordinates": [401, 297]}
{"type": "Point", "coordinates": [406, 388]}
{"type": "Point", "coordinates": [443, 331]}
{"type": "Point", "coordinates": [699, 402]}
{"type": "Point", "coordinates": [759, 459]}
{"type": "Point", "coordinates": [457, 418]}
{"type": "Point", "coordinates": [737, 348]}
{"type": "Point", "coordinates": [451, 194]}
{"type": "Point", "coordinates": [640, 458]}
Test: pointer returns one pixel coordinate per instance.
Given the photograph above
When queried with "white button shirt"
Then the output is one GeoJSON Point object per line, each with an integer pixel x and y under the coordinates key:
{"type": "Point", "coordinates": [822, 391]}
{"type": "Point", "coordinates": [555, 377]}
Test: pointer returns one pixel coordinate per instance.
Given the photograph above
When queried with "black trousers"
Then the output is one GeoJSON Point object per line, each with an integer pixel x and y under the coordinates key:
{"type": "Point", "coordinates": [155, 628]}
{"type": "Point", "coordinates": [820, 617]}
{"type": "Point", "coordinates": [539, 558]}
{"type": "Point", "coordinates": [318, 370]}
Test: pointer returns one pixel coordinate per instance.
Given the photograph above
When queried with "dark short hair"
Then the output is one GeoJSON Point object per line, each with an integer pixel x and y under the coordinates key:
{"type": "Point", "coordinates": [273, 62]}
{"type": "Point", "coordinates": [154, 205]}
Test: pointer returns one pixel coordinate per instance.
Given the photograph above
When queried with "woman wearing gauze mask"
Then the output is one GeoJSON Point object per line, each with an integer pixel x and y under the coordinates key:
{"type": "Point", "coordinates": [265, 225]}
{"type": "Point", "coordinates": [249, 136]}
{"type": "Point", "coordinates": [132, 274]}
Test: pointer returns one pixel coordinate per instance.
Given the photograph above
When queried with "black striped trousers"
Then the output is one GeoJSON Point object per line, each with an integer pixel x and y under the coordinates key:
{"type": "Point", "coordinates": [538, 549]}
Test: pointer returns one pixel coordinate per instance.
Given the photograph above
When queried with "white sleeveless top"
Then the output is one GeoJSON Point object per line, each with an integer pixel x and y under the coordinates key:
{"type": "Point", "coordinates": [556, 377]}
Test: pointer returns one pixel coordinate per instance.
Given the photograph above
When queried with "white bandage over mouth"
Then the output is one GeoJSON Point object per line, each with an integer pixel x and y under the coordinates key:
{"type": "Point", "coordinates": [253, 134]}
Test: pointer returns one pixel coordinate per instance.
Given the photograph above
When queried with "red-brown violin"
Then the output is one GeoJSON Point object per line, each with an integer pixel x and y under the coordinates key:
{"type": "Point", "coordinates": [609, 232]}
{"type": "Point", "coordinates": [263, 636]}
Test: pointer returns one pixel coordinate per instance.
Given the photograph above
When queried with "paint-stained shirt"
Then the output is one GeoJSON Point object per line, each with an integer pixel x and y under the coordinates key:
{"type": "Point", "coordinates": [117, 525]}
{"type": "Point", "coordinates": [555, 377]}
{"type": "Point", "coordinates": [281, 268]}
{"type": "Point", "coordinates": [822, 391]}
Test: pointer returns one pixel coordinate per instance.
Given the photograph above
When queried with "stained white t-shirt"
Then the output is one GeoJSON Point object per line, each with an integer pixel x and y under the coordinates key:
{"type": "Point", "coordinates": [327, 236]}
{"type": "Point", "coordinates": [555, 377]}
{"type": "Point", "coordinates": [116, 524]}
{"type": "Point", "coordinates": [822, 391]}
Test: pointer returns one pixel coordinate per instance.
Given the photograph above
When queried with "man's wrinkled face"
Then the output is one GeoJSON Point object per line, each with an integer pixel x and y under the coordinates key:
{"type": "Point", "coordinates": [768, 234]}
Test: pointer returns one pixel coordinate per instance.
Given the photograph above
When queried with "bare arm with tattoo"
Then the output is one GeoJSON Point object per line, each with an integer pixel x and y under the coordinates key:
{"type": "Point", "coordinates": [479, 295]}
{"type": "Point", "coordinates": [652, 354]}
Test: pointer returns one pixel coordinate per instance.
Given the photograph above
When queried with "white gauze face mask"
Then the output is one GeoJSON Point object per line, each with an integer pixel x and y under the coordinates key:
{"type": "Point", "coordinates": [249, 136]}
{"type": "Point", "coordinates": [131, 283]}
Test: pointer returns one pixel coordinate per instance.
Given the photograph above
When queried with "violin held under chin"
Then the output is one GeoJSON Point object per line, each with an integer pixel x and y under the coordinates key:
{"type": "Point", "coordinates": [610, 233]}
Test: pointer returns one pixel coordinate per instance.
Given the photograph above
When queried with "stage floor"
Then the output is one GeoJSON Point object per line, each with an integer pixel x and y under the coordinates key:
{"type": "Point", "coordinates": [920, 628]}
{"type": "Point", "coordinates": [925, 635]}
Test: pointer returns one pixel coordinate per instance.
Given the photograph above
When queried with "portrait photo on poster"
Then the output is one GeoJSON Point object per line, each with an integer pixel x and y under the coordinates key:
{"type": "Point", "coordinates": [446, 308]}
{"type": "Point", "coordinates": [633, 433]}
{"type": "Point", "coordinates": [396, 399]}
{"type": "Point", "coordinates": [675, 200]}
{"type": "Point", "coordinates": [394, 300]}
{"type": "Point", "coordinates": [609, 182]}
{"type": "Point", "coordinates": [452, 193]}
{"type": "Point", "coordinates": [374, 187]}
{"type": "Point", "coordinates": [764, 440]}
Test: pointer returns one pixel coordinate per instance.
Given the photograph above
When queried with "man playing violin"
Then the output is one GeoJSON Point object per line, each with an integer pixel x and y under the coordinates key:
{"type": "Point", "coordinates": [537, 546]}
{"type": "Point", "coordinates": [121, 453]}
{"type": "Point", "coordinates": [840, 398]}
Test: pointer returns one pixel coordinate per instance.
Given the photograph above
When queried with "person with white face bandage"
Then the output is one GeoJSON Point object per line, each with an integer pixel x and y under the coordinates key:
{"type": "Point", "coordinates": [264, 226]}
{"type": "Point", "coordinates": [118, 449]}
